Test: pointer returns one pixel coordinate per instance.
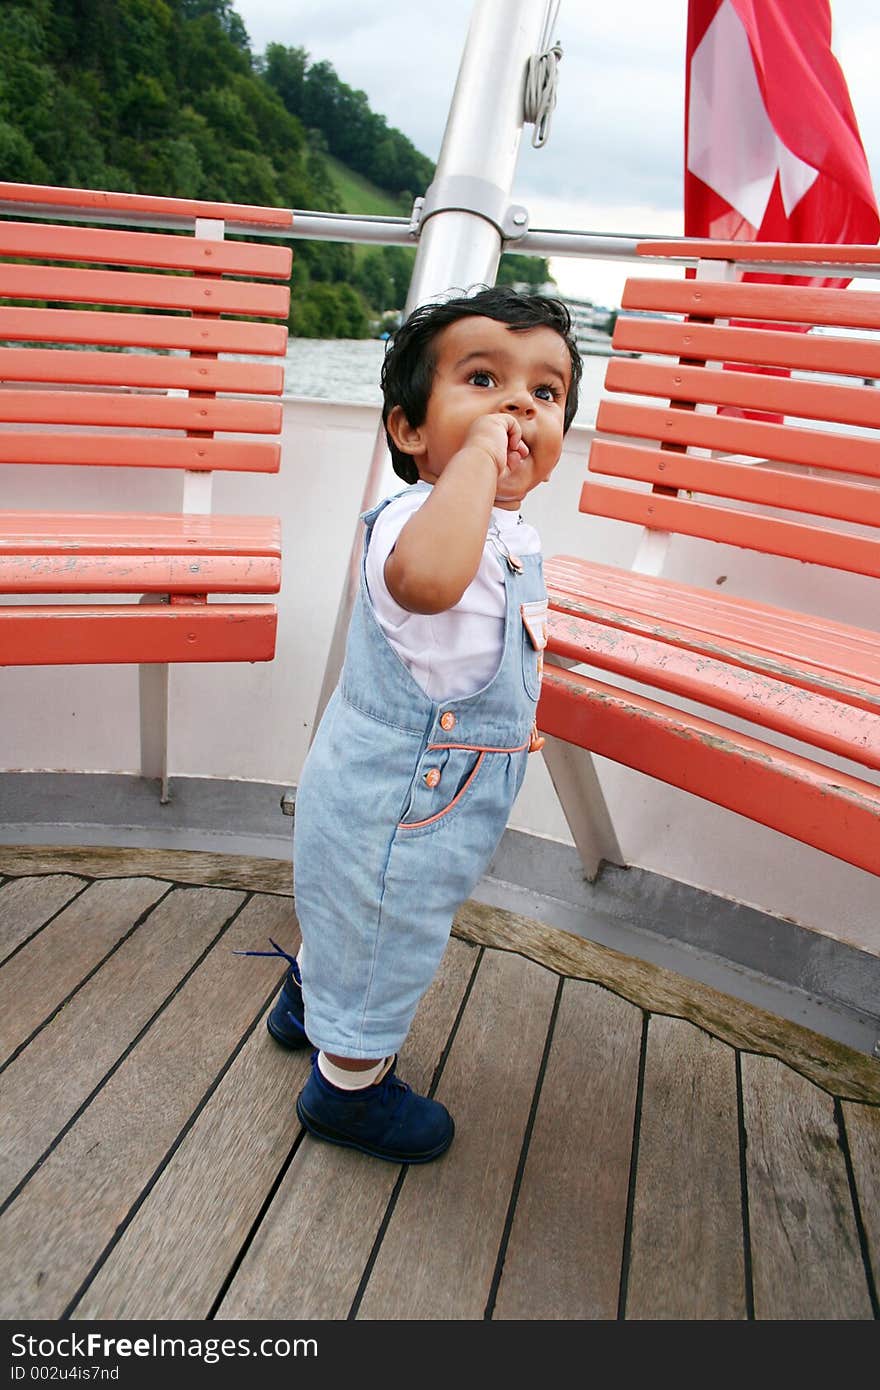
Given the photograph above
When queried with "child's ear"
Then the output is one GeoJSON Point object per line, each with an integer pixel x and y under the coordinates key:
{"type": "Point", "coordinates": [407, 437]}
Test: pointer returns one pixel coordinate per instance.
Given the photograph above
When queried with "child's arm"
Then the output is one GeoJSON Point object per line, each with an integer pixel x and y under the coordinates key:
{"type": "Point", "coordinates": [438, 551]}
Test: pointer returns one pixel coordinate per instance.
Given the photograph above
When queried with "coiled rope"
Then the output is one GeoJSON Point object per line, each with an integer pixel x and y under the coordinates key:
{"type": "Point", "coordinates": [541, 81]}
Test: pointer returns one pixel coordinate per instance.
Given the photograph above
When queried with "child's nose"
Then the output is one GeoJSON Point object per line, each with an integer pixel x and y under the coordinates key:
{"type": "Point", "coordinates": [520, 403]}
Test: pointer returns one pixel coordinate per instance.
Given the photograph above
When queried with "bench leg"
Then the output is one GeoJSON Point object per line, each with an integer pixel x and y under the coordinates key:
{"type": "Point", "coordinates": [573, 774]}
{"type": "Point", "coordinates": [153, 701]}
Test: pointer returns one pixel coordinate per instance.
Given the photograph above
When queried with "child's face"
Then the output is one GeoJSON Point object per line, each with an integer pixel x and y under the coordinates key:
{"type": "Point", "coordinates": [484, 367]}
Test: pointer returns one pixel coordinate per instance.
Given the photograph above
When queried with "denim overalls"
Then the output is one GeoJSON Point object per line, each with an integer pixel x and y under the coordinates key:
{"type": "Point", "coordinates": [401, 804]}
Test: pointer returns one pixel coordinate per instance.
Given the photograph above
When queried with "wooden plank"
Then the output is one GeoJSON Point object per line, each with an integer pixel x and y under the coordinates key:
{"type": "Point", "coordinates": [818, 805]}
{"type": "Point", "coordinates": [687, 1258]}
{"type": "Point", "coordinates": [708, 299]}
{"type": "Point", "coordinates": [52, 1077]}
{"type": "Point", "coordinates": [330, 1256]}
{"type": "Point", "coordinates": [806, 1259]}
{"type": "Point", "coordinates": [781, 633]}
{"type": "Point", "coordinates": [31, 635]}
{"type": "Point", "coordinates": [438, 1255]}
{"type": "Point", "coordinates": [766, 487]}
{"type": "Point", "coordinates": [137, 533]}
{"type": "Point", "coordinates": [161, 251]}
{"type": "Point", "coordinates": [141, 204]}
{"type": "Point", "coordinates": [563, 1259]}
{"type": "Point", "coordinates": [814, 544]}
{"type": "Point", "coordinates": [143, 291]}
{"type": "Point", "coordinates": [812, 252]}
{"type": "Point", "coordinates": [862, 1123]}
{"type": "Point", "coordinates": [101, 450]}
{"type": "Point", "coordinates": [138, 571]}
{"type": "Point", "coordinates": [74, 1205]}
{"type": "Point", "coordinates": [835, 452]}
{"type": "Point", "coordinates": [201, 867]}
{"type": "Point", "coordinates": [142, 330]}
{"type": "Point", "coordinates": [833, 725]}
{"type": "Point", "coordinates": [141, 369]}
{"type": "Point", "coordinates": [827, 1063]}
{"type": "Point", "coordinates": [813, 400]}
{"type": "Point", "coordinates": [124, 410]}
{"type": "Point", "coordinates": [565, 605]}
{"type": "Point", "coordinates": [174, 1256]}
{"type": "Point", "coordinates": [26, 903]}
{"type": "Point", "coordinates": [45, 971]}
{"type": "Point", "coordinates": [711, 343]}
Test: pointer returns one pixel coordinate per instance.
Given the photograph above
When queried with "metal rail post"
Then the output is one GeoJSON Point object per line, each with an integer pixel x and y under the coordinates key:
{"type": "Point", "coordinates": [465, 216]}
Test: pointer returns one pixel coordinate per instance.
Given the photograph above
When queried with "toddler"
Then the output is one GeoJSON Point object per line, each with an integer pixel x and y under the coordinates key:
{"type": "Point", "coordinates": [412, 773]}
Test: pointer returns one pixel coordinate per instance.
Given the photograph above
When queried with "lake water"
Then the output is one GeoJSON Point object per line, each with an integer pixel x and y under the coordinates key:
{"type": "Point", "coordinates": [347, 369]}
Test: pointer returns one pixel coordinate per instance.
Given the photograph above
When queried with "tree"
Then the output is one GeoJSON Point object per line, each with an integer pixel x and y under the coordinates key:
{"type": "Point", "coordinates": [515, 269]}
{"type": "Point", "coordinates": [165, 97]}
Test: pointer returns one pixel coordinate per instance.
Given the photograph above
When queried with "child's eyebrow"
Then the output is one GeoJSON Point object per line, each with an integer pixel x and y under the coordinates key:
{"type": "Point", "coordinates": [499, 355]}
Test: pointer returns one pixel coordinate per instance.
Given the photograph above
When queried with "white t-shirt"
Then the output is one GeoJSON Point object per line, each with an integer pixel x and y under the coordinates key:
{"type": "Point", "coordinates": [455, 653]}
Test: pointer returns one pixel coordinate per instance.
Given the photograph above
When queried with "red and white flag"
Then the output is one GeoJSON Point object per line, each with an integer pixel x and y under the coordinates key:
{"type": "Point", "coordinates": [772, 146]}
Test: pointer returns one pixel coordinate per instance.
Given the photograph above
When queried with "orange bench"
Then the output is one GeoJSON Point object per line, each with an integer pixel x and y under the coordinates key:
{"type": "Point", "coordinates": [805, 492]}
{"type": "Point", "coordinates": [137, 378]}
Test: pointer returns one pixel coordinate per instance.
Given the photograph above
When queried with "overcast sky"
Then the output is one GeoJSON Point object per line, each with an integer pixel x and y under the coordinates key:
{"type": "Point", "coordinates": [613, 161]}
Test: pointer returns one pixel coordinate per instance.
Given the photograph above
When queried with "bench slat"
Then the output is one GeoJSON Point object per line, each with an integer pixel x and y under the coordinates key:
{"type": "Point", "coordinates": [848, 731]}
{"type": "Point", "coordinates": [856, 554]}
{"type": "Point", "coordinates": [99, 200]}
{"type": "Point", "coordinates": [767, 346]}
{"type": "Point", "coordinates": [123, 451]}
{"type": "Point", "coordinates": [140, 369]}
{"type": "Point", "coordinates": [861, 693]}
{"type": "Point", "coordinates": [142, 330]}
{"type": "Point", "coordinates": [137, 570]}
{"type": "Point", "coordinates": [810, 252]}
{"type": "Point", "coordinates": [698, 615]}
{"type": "Point", "coordinates": [138, 411]}
{"type": "Point", "coordinates": [833, 812]}
{"type": "Point", "coordinates": [782, 303]}
{"type": "Point", "coordinates": [850, 405]}
{"type": "Point", "coordinates": [764, 486]}
{"type": "Point", "coordinates": [115, 633]}
{"type": "Point", "coordinates": [784, 443]}
{"type": "Point", "coordinates": [161, 251]}
{"type": "Point", "coordinates": [144, 291]}
{"type": "Point", "coordinates": [137, 533]}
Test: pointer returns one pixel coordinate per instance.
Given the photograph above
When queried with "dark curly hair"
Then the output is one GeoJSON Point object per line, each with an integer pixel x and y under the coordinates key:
{"type": "Point", "coordinates": [409, 364]}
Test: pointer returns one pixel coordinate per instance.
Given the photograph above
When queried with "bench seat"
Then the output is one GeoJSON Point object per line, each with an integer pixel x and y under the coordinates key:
{"type": "Point", "coordinates": [144, 349]}
{"type": "Point", "coordinates": [720, 460]}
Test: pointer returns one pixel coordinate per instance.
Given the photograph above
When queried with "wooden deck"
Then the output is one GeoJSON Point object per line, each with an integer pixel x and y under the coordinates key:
{"type": "Point", "coordinates": [628, 1145]}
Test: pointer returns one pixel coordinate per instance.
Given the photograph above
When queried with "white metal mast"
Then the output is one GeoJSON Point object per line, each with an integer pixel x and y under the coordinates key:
{"type": "Point", "coordinates": [466, 216]}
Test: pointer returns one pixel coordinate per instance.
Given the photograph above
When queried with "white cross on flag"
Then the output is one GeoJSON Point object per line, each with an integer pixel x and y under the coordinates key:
{"type": "Point", "coordinates": [772, 146]}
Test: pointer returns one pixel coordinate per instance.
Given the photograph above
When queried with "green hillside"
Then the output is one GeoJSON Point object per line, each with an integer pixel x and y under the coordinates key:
{"type": "Point", "coordinates": [358, 194]}
{"type": "Point", "coordinates": [167, 97]}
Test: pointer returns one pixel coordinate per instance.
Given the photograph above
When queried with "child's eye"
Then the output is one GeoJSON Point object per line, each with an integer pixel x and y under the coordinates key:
{"type": "Point", "coordinates": [547, 393]}
{"type": "Point", "coordinates": [481, 379]}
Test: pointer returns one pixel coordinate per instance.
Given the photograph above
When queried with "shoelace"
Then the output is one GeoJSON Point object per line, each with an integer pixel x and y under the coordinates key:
{"type": "Point", "coordinates": [394, 1090]}
{"type": "Point", "coordinates": [278, 951]}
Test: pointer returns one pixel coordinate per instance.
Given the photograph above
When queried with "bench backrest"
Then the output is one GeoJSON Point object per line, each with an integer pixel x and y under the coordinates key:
{"type": "Point", "coordinates": [827, 475]}
{"type": "Point", "coordinates": [116, 364]}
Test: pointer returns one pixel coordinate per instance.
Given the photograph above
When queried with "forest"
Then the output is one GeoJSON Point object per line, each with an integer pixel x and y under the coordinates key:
{"type": "Point", "coordinates": [167, 97]}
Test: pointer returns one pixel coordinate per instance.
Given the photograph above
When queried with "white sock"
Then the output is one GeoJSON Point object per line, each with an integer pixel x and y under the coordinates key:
{"type": "Point", "coordinates": [348, 1080]}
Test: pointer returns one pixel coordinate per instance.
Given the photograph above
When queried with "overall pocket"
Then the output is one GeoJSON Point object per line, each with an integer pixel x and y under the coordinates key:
{"type": "Point", "coordinates": [443, 778]}
{"type": "Point", "coordinates": [534, 640]}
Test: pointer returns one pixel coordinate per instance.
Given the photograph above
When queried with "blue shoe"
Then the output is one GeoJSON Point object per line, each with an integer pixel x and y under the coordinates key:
{"type": "Point", "coordinates": [286, 1022]}
{"type": "Point", "coordinates": [387, 1120]}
